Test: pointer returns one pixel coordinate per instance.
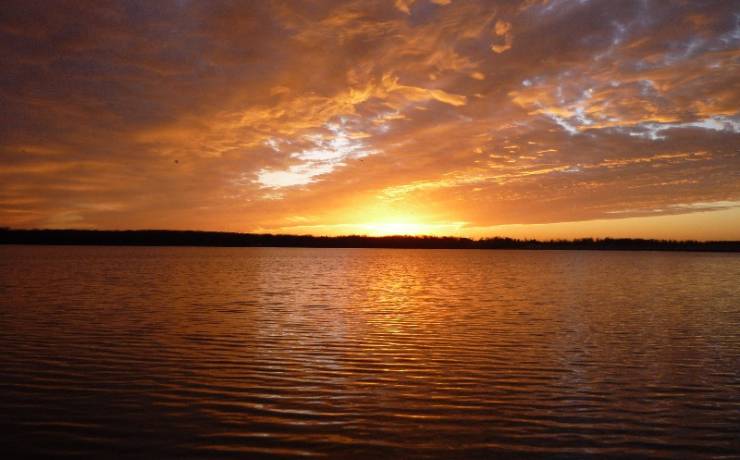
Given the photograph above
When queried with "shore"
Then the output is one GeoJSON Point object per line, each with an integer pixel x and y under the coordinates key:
{"type": "Point", "coordinates": [231, 239]}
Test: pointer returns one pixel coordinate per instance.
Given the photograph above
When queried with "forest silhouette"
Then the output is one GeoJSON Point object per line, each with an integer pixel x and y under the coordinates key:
{"type": "Point", "coordinates": [232, 239]}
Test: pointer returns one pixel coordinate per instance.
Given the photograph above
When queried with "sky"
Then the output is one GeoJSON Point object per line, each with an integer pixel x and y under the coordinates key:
{"type": "Point", "coordinates": [546, 119]}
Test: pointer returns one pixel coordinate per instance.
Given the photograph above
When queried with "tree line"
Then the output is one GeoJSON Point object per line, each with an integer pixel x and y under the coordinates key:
{"type": "Point", "coordinates": [232, 239]}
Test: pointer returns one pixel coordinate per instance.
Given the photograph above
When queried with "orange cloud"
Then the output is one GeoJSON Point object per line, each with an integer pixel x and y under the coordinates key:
{"type": "Point", "coordinates": [431, 115]}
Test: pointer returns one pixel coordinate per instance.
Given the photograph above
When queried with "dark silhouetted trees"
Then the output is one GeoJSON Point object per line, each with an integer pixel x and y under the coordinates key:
{"type": "Point", "coordinates": [198, 238]}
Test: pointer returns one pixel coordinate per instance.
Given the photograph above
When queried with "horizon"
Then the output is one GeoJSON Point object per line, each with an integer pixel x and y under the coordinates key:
{"type": "Point", "coordinates": [369, 237]}
{"type": "Point", "coordinates": [537, 119]}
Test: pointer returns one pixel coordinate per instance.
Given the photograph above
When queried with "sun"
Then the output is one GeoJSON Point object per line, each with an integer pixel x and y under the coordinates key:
{"type": "Point", "coordinates": [395, 228]}
{"type": "Point", "coordinates": [389, 219]}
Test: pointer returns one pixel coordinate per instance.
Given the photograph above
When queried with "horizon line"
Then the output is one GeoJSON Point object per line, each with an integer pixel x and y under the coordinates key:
{"type": "Point", "coordinates": [207, 238]}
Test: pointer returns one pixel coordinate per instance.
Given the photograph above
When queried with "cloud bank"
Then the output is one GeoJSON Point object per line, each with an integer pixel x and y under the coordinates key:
{"type": "Point", "coordinates": [322, 116]}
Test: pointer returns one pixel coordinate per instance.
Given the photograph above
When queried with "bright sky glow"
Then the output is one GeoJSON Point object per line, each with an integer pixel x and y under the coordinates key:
{"type": "Point", "coordinates": [479, 117]}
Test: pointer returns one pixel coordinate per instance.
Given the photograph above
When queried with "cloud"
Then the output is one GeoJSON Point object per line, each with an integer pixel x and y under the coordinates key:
{"type": "Point", "coordinates": [404, 5]}
{"type": "Point", "coordinates": [502, 29]}
{"type": "Point", "coordinates": [238, 116]}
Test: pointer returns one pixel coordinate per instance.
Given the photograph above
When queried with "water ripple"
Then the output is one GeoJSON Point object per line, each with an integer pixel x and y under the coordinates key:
{"type": "Point", "coordinates": [282, 353]}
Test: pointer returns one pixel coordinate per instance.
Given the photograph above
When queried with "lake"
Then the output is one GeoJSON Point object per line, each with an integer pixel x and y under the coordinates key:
{"type": "Point", "coordinates": [368, 353]}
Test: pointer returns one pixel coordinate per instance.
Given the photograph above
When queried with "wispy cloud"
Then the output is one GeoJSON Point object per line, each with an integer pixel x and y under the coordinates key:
{"type": "Point", "coordinates": [242, 116]}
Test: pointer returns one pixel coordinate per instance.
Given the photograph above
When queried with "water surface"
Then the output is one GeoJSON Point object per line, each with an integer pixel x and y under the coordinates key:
{"type": "Point", "coordinates": [366, 353]}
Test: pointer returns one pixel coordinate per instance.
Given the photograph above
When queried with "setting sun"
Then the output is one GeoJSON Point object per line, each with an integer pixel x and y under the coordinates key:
{"type": "Point", "coordinates": [395, 228]}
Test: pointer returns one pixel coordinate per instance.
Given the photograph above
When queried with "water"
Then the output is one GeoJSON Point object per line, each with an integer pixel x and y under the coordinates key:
{"type": "Point", "coordinates": [362, 353]}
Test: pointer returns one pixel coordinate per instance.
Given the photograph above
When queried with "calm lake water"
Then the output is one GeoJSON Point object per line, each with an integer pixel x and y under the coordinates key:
{"type": "Point", "coordinates": [365, 353]}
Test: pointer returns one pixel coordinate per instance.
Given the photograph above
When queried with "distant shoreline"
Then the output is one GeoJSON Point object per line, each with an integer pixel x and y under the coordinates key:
{"type": "Point", "coordinates": [231, 239]}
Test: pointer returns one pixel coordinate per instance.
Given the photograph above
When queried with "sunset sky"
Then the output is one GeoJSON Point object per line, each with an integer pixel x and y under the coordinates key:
{"type": "Point", "coordinates": [560, 118]}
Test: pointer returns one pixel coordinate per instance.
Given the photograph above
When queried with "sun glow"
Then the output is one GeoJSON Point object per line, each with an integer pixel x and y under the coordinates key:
{"type": "Point", "coordinates": [383, 218]}
{"type": "Point", "coordinates": [395, 228]}
{"type": "Point", "coordinates": [378, 228]}
{"type": "Point", "coordinates": [402, 227]}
